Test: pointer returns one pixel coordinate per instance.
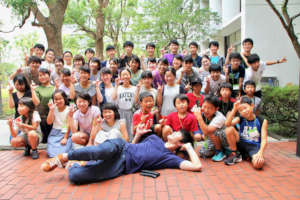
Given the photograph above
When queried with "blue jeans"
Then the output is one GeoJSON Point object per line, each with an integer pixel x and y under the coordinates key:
{"type": "Point", "coordinates": [106, 161]}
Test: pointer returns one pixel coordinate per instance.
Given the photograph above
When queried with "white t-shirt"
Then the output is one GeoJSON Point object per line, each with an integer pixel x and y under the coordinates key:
{"type": "Point", "coordinates": [35, 118]}
{"type": "Point", "coordinates": [169, 94]}
{"type": "Point", "coordinates": [60, 120]}
{"type": "Point", "coordinates": [108, 94]}
{"type": "Point", "coordinates": [125, 98]}
{"type": "Point", "coordinates": [255, 76]}
{"type": "Point", "coordinates": [49, 66]}
{"type": "Point", "coordinates": [218, 121]}
{"type": "Point", "coordinates": [214, 85]}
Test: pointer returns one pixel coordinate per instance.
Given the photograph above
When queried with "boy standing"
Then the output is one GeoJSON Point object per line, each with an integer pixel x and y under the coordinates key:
{"type": "Point", "coordinates": [196, 58]}
{"type": "Point", "coordinates": [150, 49]}
{"type": "Point", "coordinates": [110, 52]}
{"type": "Point", "coordinates": [252, 137]}
{"type": "Point", "coordinates": [128, 47]}
{"type": "Point", "coordinates": [214, 56]}
{"type": "Point", "coordinates": [174, 47]}
{"type": "Point", "coordinates": [235, 74]}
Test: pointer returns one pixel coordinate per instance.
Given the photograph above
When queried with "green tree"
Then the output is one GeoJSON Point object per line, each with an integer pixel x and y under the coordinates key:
{"type": "Point", "coordinates": [88, 16]}
{"type": "Point", "coordinates": [77, 43]}
{"type": "Point", "coordinates": [51, 20]}
{"type": "Point", "coordinates": [25, 41]}
{"type": "Point", "coordinates": [162, 20]}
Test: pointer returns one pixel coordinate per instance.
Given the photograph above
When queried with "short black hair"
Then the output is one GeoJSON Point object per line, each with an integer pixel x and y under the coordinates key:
{"type": "Point", "coordinates": [125, 69]}
{"type": "Point", "coordinates": [21, 79]}
{"type": "Point", "coordinates": [178, 57]}
{"type": "Point", "coordinates": [66, 71]}
{"type": "Point", "coordinates": [215, 68]}
{"type": "Point", "coordinates": [188, 59]}
{"type": "Point", "coordinates": [245, 99]}
{"type": "Point", "coordinates": [113, 107]}
{"type": "Point", "coordinates": [67, 52]}
{"type": "Point", "coordinates": [115, 60]}
{"type": "Point", "coordinates": [253, 58]}
{"type": "Point", "coordinates": [213, 43]}
{"type": "Point", "coordinates": [110, 47]}
{"type": "Point", "coordinates": [235, 55]}
{"type": "Point", "coordinates": [152, 60]}
{"type": "Point", "coordinates": [150, 44]}
{"type": "Point", "coordinates": [85, 68]}
{"type": "Point", "coordinates": [39, 46]}
{"type": "Point", "coordinates": [146, 74]}
{"type": "Point", "coordinates": [206, 56]}
{"type": "Point", "coordinates": [63, 94]}
{"type": "Point", "coordinates": [59, 59]}
{"type": "Point", "coordinates": [85, 96]}
{"type": "Point", "coordinates": [49, 50]}
{"type": "Point", "coordinates": [96, 60]}
{"type": "Point", "coordinates": [250, 82]}
{"type": "Point", "coordinates": [186, 137]}
{"type": "Point", "coordinates": [172, 70]}
{"type": "Point", "coordinates": [45, 71]}
{"type": "Point", "coordinates": [106, 70]}
{"type": "Point", "coordinates": [145, 94]}
{"type": "Point", "coordinates": [79, 57]}
{"type": "Point", "coordinates": [194, 44]}
{"type": "Point", "coordinates": [136, 59]}
{"type": "Point", "coordinates": [181, 97]}
{"type": "Point", "coordinates": [174, 42]}
{"type": "Point", "coordinates": [34, 59]}
{"type": "Point", "coordinates": [212, 100]}
{"type": "Point", "coordinates": [163, 61]}
{"type": "Point", "coordinates": [225, 85]}
{"type": "Point", "coordinates": [89, 50]}
{"type": "Point", "coordinates": [248, 40]}
{"type": "Point", "coordinates": [128, 44]}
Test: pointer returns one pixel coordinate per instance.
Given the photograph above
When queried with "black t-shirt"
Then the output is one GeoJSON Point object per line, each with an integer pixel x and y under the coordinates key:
{"type": "Point", "coordinates": [226, 107]}
{"type": "Point", "coordinates": [16, 101]}
{"type": "Point", "coordinates": [235, 75]}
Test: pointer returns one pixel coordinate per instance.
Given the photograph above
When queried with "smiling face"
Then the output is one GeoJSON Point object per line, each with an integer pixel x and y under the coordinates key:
{"type": "Point", "coordinates": [94, 67]}
{"type": "Point", "coordinates": [150, 51]}
{"type": "Point", "coordinates": [58, 65]}
{"type": "Point", "coordinates": [113, 66]}
{"type": "Point", "coordinates": [106, 78]}
{"type": "Point", "coordinates": [108, 115]}
{"type": "Point", "coordinates": [205, 63]}
{"type": "Point", "coordinates": [147, 82]}
{"type": "Point", "coordinates": [59, 100]}
{"type": "Point", "coordinates": [193, 49]}
{"type": "Point", "coordinates": [176, 63]}
{"type": "Point", "coordinates": [255, 66]}
{"type": "Point", "coordinates": [49, 57]}
{"type": "Point", "coordinates": [214, 49]}
{"type": "Point", "coordinates": [215, 75]}
{"type": "Point", "coordinates": [34, 66]}
{"type": "Point", "coordinates": [174, 48]}
{"type": "Point", "coordinates": [38, 52]}
{"type": "Point", "coordinates": [133, 65]}
{"type": "Point", "coordinates": [128, 50]}
{"type": "Point", "coordinates": [208, 109]}
{"type": "Point", "coordinates": [68, 58]}
{"type": "Point", "coordinates": [44, 78]}
{"type": "Point", "coordinates": [250, 90]}
{"type": "Point", "coordinates": [246, 110]}
{"type": "Point", "coordinates": [162, 68]}
{"type": "Point", "coordinates": [235, 63]}
{"type": "Point", "coordinates": [170, 78]}
{"type": "Point", "coordinates": [83, 76]}
{"type": "Point", "coordinates": [125, 76]}
{"type": "Point", "coordinates": [247, 46]}
{"type": "Point", "coordinates": [19, 86]}
{"type": "Point", "coordinates": [175, 138]}
{"type": "Point", "coordinates": [22, 109]}
{"type": "Point", "coordinates": [82, 104]}
{"type": "Point", "coordinates": [66, 79]}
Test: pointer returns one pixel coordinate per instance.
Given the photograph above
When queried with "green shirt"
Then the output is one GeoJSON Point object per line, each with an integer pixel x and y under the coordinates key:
{"type": "Point", "coordinates": [44, 93]}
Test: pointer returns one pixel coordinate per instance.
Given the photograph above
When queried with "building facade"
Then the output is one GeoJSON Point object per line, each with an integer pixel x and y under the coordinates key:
{"type": "Point", "coordinates": [241, 19]}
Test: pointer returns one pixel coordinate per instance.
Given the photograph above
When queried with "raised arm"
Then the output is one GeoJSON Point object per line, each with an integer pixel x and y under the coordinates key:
{"type": "Point", "coordinates": [282, 60]}
{"type": "Point", "coordinates": [195, 163]}
{"type": "Point", "coordinates": [229, 119]}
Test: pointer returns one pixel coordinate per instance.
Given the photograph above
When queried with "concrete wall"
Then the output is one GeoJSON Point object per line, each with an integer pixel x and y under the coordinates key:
{"type": "Point", "coordinates": [271, 41]}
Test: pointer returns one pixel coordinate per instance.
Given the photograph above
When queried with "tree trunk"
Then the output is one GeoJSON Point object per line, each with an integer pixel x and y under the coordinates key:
{"type": "Point", "coordinates": [54, 39]}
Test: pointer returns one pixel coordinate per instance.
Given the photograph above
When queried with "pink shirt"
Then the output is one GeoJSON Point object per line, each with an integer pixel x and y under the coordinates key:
{"type": "Point", "coordinates": [85, 121]}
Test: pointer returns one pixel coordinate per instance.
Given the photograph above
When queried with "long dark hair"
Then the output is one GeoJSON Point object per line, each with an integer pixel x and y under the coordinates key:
{"type": "Point", "coordinates": [21, 79]}
{"type": "Point", "coordinates": [27, 101]}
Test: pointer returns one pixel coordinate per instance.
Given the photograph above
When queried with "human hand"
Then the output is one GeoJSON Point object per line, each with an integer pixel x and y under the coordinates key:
{"type": "Point", "coordinates": [187, 87]}
{"type": "Point", "coordinates": [160, 88]}
{"type": "Point", "coordinates": [117, 81]}
{"type": "Point", "coordinates": [10, 89]}
{"type": "Point", "coordinates": [72, 110]}
{"type": "Point", "coordinates": [10, 122]}
{"type": "Point", "coordinates": [186, 146]}
{"type": "Point", "coordinates": [51, 105]}
{"type": "Point", "coordinates": [226, 70]}
{"type": "Point", "coordinates": [230, 50]}
{"type": "Point", "coordinates": [236, 105]}
{"type": "Point", "coordinates": [258, 158]}
{"type": "Point", "coordinates": [185, 52]}
{"type": "Point", "coordinates": [64, 141]}
{"type": "Point", "coordinates": [283, 60]}
{"type": "Point", "coordinates": [141, 130]}
{"type": "Point", "coordinates": [56, 82]}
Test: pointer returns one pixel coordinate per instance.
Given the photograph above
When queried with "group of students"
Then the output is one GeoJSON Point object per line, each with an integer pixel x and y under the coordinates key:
{"type": "Point", "coordinates": [85, 109]}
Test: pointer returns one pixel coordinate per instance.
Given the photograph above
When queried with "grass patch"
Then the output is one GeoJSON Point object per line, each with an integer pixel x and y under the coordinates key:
{"type": "Point", "coordinates": [7, 112]}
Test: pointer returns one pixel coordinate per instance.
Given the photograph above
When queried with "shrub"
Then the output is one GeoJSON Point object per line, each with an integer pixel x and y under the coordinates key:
{"type": "Point", "coordinates": [280, 106]}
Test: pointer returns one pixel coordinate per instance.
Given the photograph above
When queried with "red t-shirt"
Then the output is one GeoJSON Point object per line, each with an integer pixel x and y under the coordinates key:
{"type": "Point", "coordinates": [192, 98]}
{"type": "Point", "coordinates": [189, 122]}
{"type": "Point", "coordinates": [137, 119]}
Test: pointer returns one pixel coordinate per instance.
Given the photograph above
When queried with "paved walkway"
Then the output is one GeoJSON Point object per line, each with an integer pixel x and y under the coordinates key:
{"type": "Point", "coordinates": [21, 178]}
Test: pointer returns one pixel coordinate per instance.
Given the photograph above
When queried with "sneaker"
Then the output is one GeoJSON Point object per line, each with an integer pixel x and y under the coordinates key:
{"type": "Point", "coordinates": [52, 163]}
{"type": "Point", "coordinates": [35, 154]}
{"type": "Point", "coordinates": [27, 150]}
{"type": "Point", "coordinates": [233, 158]}
{"type": "Point", "coordinates": [219, 156]}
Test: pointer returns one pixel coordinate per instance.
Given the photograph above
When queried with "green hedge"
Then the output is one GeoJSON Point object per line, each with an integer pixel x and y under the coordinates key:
{"type": "Point", "coordinates": [280, 107]}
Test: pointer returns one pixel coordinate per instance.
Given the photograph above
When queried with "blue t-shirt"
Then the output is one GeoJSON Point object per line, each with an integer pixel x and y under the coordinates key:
{"type": "Point", "coordinates": [250, 131]}
{"type": "Point", "coordinates": [149, 154]}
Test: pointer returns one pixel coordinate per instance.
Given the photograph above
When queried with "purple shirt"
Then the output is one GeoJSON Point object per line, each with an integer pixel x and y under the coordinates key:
{"type": "Point", "coordinates": [85, 121]}
{"type": "Point", "coordinates": [157, 79]}
{"type": "Point", "coordinates": [170, 57]}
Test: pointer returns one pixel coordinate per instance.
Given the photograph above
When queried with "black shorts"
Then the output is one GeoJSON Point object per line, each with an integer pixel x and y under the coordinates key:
{"type": "Point", "coordinates": [247, 149]}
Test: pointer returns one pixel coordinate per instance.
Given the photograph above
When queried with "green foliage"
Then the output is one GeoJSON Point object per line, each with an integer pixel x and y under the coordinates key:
{"type": "Point", "coordinates": [19, 7]}
{"type": "Point", "coordinates": [5, 70]}
{"type": "Point", "coordinates": [183, 20]}
{"type": "Point", "coordinates": [280, 105]}
{"type": "Point", "coordinates": [77, 43]}
{"type": "Point", "coordinates": [26, 41]}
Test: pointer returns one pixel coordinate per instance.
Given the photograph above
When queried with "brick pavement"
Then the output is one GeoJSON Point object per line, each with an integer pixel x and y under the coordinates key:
{"type": "Point", "coordinates": [21, 178]}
